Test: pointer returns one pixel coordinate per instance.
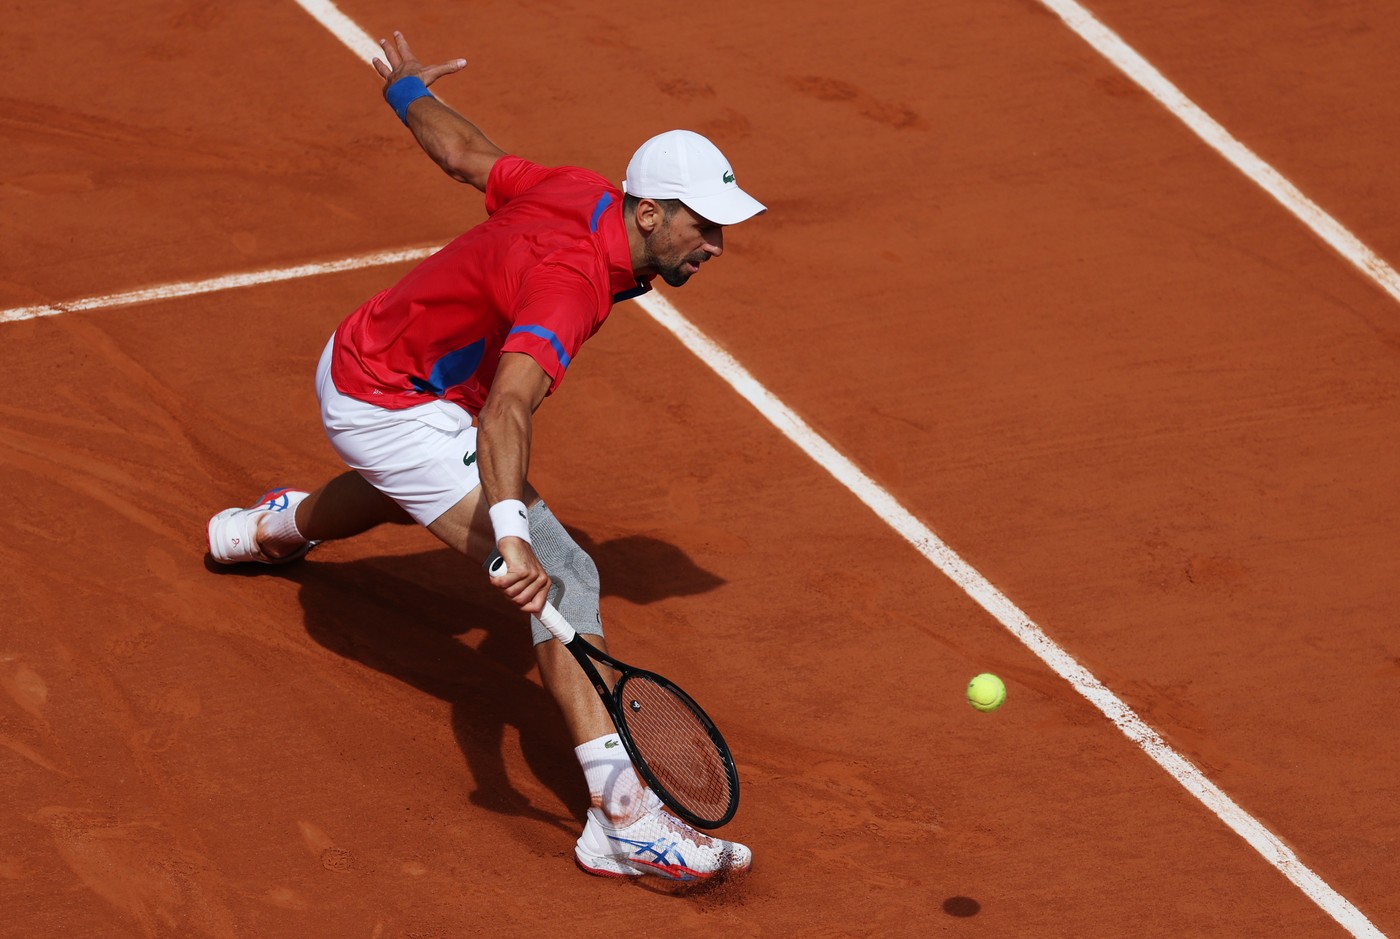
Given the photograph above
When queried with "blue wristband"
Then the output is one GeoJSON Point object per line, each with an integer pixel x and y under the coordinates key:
{"type": "Point", "coordinates": [404, 92]}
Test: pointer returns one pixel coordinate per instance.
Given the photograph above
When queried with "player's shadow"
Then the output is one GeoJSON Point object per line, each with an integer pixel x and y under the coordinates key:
{"type": "Point", "coordinates": [642, 570]}
{"type": "Point", "coordinates": [433, 621]}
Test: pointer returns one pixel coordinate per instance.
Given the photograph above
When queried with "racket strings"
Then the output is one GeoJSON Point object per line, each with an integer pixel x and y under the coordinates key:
{"type": "Point", "coordinates": [675, 743]}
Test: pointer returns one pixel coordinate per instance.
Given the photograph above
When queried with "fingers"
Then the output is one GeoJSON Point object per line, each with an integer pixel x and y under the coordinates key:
{"type": "Point", "coordinates": [523, 580]}
{"type": "Point", "coordinates": [533, 602]}
{"type": "Point", "coordinates": [525, 589]}
{"type": "Point", "coordinates": [433, 73]}
{"type": "Point", "coordinates": [391, 53]}
{"type": "Point", "coordinates": [399, 61]}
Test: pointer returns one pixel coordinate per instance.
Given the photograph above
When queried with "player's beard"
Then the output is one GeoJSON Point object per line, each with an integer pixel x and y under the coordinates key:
{"type": "Point", "coordinates": [673, 273]}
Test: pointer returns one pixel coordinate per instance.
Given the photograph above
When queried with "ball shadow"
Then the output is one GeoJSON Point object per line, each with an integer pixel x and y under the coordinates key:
{"type": "Point", "coordinates": [961, 907]}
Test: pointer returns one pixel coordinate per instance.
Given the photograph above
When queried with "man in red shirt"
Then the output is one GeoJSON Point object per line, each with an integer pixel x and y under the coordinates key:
{"type": "Point", "coordinates": [427, 393]}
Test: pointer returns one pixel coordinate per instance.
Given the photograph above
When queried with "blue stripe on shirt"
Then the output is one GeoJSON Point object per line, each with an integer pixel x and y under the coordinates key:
{"type": "Point", "coordinates": [603, 202]}
{"type": "Point", "coordinates": [454, 368]}
{"type": "Point", "coordinates": [549, 337]}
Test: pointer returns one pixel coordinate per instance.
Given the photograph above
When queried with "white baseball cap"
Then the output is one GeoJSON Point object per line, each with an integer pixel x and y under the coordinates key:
{"type": "Point", "coordinates": [681, 164]}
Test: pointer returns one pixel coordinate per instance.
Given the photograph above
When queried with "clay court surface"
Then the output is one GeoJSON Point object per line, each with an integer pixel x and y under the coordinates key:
{"type": "Point", "coordinates": [1125, 384]}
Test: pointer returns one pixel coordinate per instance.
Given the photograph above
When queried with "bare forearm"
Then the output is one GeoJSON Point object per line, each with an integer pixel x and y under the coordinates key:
{"type": "Point", "coordinates": [503, 456]}
{"type": "Point", "coordinates": [503, 450]}
{"type": "Point", "coordinates": [453, 142]}
{"type": "Point", "coordinates": [504, 426]}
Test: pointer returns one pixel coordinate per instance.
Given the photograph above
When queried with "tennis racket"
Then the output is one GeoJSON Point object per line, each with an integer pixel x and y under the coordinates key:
{"type": "Point", "coordinates": [674, 745]}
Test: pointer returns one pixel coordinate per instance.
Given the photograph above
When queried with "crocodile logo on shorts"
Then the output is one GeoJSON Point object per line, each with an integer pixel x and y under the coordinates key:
{"type": "Point", "coordinates": [469, 459]}
{"type": "Point", "coordinates": [728, 177]}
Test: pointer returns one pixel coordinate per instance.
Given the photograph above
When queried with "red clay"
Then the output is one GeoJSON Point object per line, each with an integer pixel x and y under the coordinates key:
{"type": "Point", "coordinates": [1120, 380]}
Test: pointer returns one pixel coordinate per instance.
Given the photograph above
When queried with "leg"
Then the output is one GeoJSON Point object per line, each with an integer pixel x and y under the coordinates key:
{"type": "Point", "coordinates": [343, 507]}
{"type": "Point", "coordinates": [346, 506]}
{"type": "Point", "coordinates": [419, 462]}
{"type": "Point", "coordinates": [584, 713]}
{"type": "Point", "coordinates": [616, 792]}
{"type": "Point", "coordinates": [628, 832]}
{"type": "Point", "coordinates": [286, 523]}
{"type": "Point", "coordinates": [467, 528]}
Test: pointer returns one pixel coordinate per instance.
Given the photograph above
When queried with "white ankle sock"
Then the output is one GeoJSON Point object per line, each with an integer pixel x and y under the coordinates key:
{"type": "Point", "coordinates": [278, 531]}
{"type": "Point", "coordinates": [613, 784]}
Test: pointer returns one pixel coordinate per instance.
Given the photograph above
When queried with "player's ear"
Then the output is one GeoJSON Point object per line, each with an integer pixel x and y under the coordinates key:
{"type": "Point", "coordinates": [649, 216]}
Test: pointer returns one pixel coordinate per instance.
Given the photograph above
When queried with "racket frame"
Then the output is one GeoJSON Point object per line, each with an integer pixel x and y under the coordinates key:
{"type": "Point", "coordinates": [584, 652]}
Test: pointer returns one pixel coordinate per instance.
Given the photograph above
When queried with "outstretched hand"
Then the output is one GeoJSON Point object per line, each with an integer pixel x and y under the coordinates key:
{"type": "Point", "coordinates": [402, 63]}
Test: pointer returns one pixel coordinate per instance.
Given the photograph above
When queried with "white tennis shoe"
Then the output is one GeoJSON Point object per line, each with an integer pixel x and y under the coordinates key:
{"type": "Point", "coordinates": [659, 844]}
{"type": "Point", "coordinates": [233, 533]}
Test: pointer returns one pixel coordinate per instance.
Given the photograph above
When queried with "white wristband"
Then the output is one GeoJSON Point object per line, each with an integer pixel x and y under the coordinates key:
{"type": "Point", "coordinates": [510, 520]}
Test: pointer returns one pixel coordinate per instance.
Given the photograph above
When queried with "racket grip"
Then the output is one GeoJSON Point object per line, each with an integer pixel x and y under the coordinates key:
{"type": "Point", "coordinates": [552, 619]}
{"type": "Point", "coordinates": [558, 626]}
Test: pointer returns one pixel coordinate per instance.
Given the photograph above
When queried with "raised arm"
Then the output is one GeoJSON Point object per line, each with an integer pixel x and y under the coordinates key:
{"type": "Point", "coordinates": [453, 142]}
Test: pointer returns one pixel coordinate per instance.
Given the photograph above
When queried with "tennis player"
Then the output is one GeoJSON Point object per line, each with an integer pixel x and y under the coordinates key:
{"type": "Point", "coordinates": [427, 393]}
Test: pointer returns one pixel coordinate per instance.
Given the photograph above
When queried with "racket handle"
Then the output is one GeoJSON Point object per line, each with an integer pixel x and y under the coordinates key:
{"type": "Point", "coordinates": [558, 626]}
{"type": "Point", "coordinates": [552, 619]}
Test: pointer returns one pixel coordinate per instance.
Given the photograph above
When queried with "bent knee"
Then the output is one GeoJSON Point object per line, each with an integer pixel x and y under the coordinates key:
{"type": "Point", "coordinates": [575, 584]}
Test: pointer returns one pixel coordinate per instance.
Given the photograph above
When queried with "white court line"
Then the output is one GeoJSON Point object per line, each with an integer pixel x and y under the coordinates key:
{"type": "Point", "coordinates": [1011, 616]}
{"type": "Point", "coordinates": [229, 282]}
{"type": "Point", "coordinates": [888, 509]}
{"type": "Point", "coordinates": [1110, 46]}
{"type": "Point", "coordinates": [944, 558]}
{"type": "Point", "coordinates": [1269, 846]}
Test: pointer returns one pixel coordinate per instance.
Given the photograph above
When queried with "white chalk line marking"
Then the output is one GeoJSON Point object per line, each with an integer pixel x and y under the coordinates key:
{"type": "Point", "coordinates": [229, 282]}
{"type": "Point", "coordinates": [1112, 47]}
{"type": "Point", "coordinates": [1268, 845]}
{"type": "Point", "coordinates": [1108, 44]}
{"type": "Point", "coordinates": [343, 28]}
{"type": "Point", "coordinates": [883, 504]}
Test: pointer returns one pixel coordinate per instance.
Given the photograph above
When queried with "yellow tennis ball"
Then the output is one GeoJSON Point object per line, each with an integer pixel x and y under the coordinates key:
{"type": "Point", "coordinates": [986, 692]}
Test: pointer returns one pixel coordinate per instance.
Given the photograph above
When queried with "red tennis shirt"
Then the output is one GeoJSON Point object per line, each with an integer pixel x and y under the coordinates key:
{"type": "Point", "coordinates": [539, 276]}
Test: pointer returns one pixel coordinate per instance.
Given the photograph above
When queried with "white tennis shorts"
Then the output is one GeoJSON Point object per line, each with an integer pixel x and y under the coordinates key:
{"type": "Point", "coordinates": [423, 457]}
